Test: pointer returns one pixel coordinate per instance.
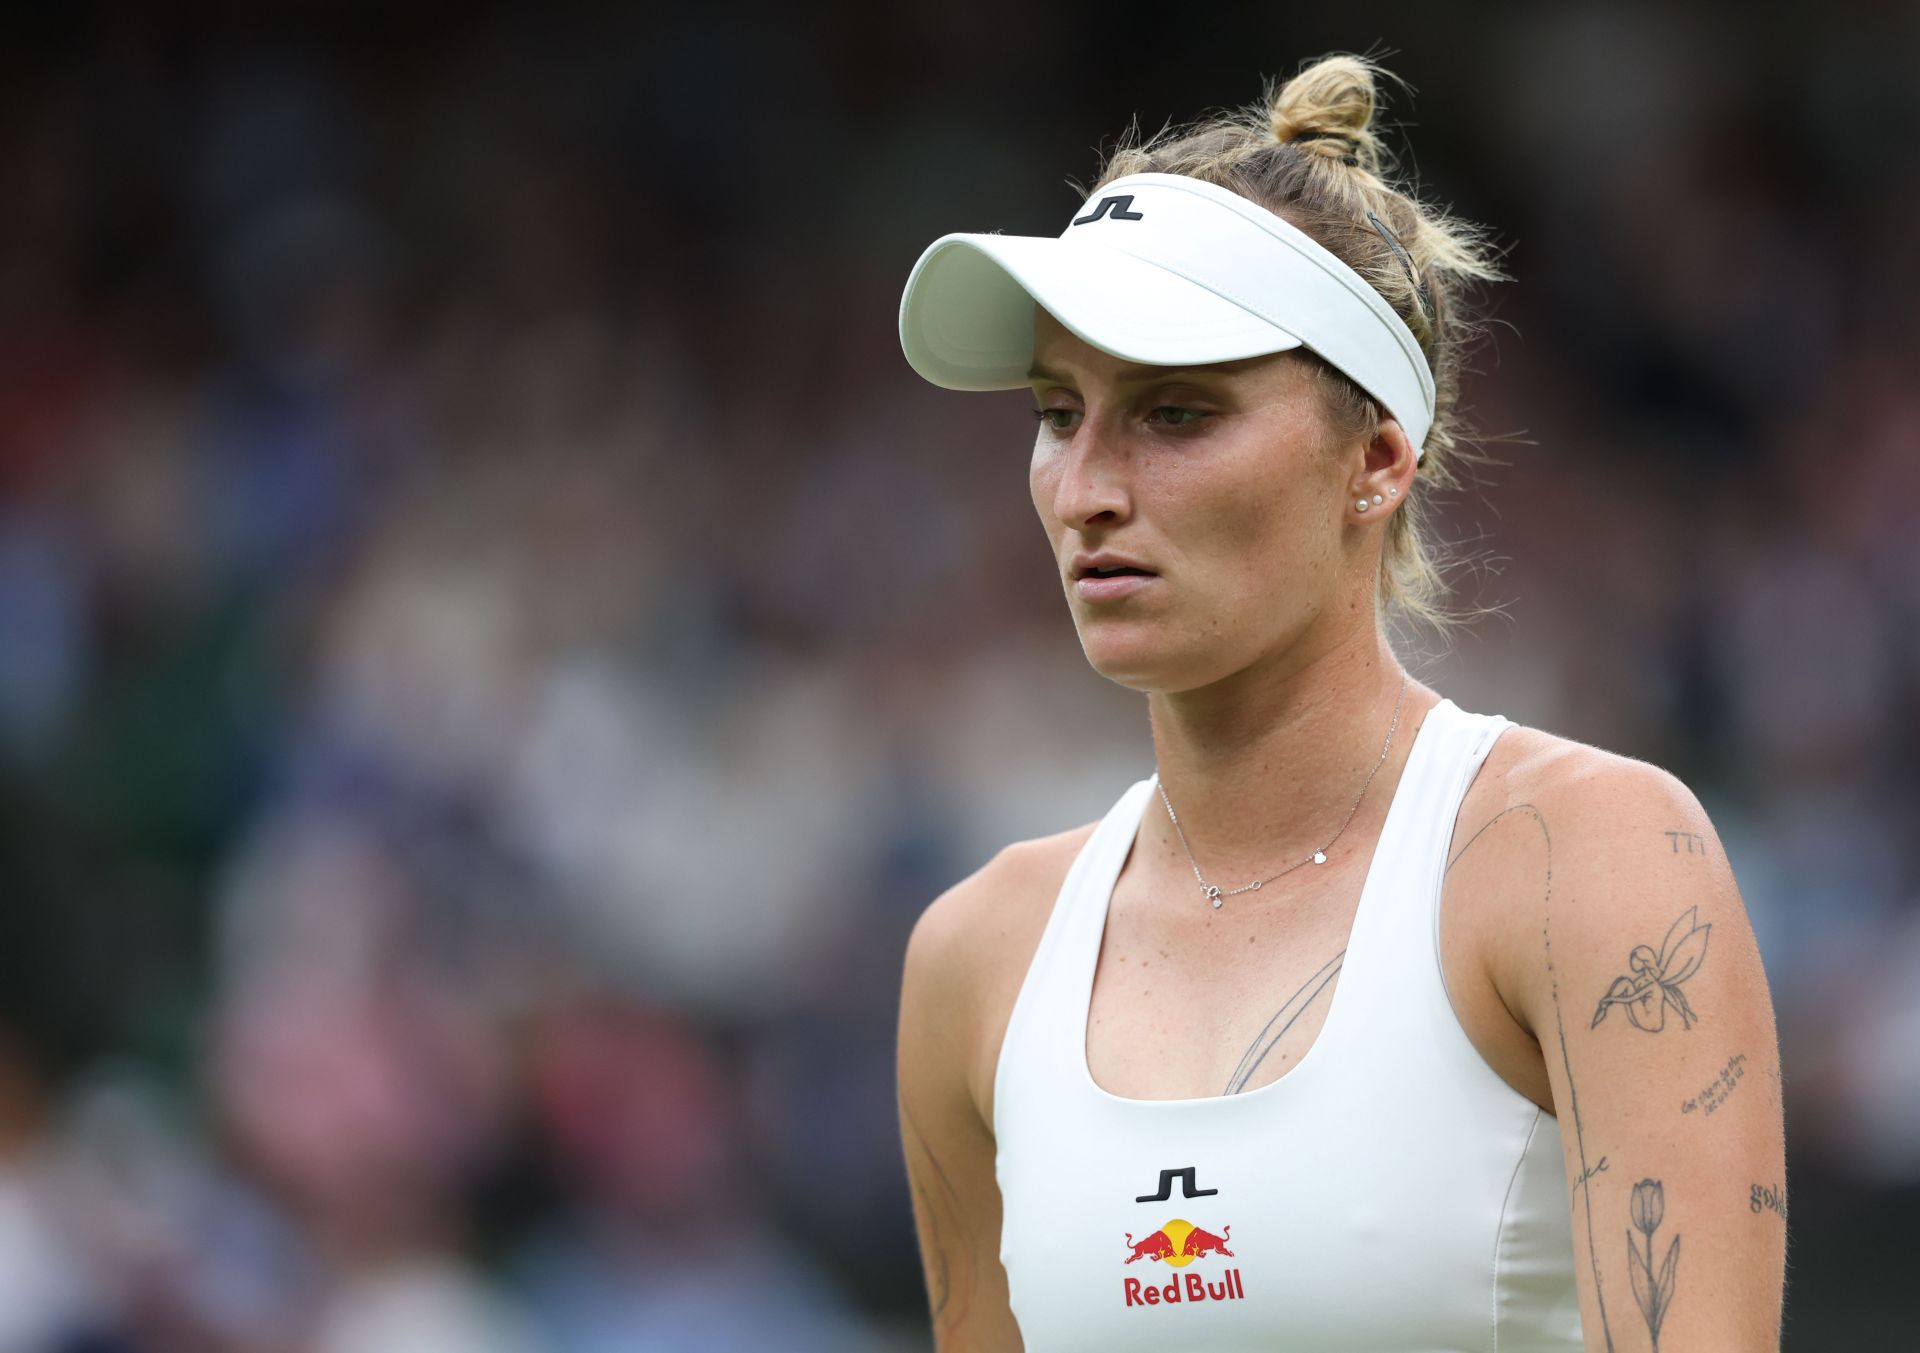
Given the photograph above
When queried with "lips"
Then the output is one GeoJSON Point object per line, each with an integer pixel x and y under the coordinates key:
{"type": "Point", "coordinates": [1116, 573]}
{"type": "Point", "coordinates": [1106, 564]}
{"type": "Point", "coordinates": [1108, 576]}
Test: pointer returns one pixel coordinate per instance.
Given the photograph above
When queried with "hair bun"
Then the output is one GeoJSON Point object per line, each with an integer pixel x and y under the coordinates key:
{"type": "Point", "coordinates": [1327, 109]}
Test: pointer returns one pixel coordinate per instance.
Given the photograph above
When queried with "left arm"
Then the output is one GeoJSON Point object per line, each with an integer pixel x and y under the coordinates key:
{"type": "Point", "coordinates": [1643, 986]}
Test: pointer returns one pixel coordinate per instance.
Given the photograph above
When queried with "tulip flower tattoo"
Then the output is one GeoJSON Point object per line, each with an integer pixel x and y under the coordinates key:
{"type": "Point", "coordinates": [1654, 980]}
{"type": "Point", "coordinates": [1655, 1294]}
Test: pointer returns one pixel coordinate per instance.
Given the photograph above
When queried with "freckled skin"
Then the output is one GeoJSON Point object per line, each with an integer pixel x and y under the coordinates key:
{"type": "Point", "coordinates": [1267, 679]}
{"type": "Point", "coordinates": [1237, 510]}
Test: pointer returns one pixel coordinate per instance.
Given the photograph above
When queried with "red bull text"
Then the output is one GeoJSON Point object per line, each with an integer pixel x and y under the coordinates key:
{"type": "Point", "coordinates": [1177, 1244]}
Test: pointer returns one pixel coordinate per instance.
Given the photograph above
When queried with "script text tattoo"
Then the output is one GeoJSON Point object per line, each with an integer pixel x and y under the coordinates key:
{"type": "Point", "coordinates": [1768, 1198]}
{"type": "Point", "coordinates": [1716, 1091]}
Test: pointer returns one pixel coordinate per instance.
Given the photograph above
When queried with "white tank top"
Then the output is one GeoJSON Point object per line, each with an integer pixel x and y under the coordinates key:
{"type": "Point", "coordinates": [1390, 1192]}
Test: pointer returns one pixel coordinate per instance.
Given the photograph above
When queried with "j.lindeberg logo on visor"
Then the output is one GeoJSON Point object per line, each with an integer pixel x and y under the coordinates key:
{"type": "Point", "coordinates": [1120, 208]}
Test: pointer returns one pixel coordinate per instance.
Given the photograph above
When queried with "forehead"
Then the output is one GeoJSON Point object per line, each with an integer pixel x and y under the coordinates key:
{"type": "Point", "coordinates": [1061, 355]}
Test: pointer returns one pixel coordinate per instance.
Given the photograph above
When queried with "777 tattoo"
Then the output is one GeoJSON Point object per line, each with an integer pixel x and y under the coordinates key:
{"type": "Point", "coordinates": [1658, 976]}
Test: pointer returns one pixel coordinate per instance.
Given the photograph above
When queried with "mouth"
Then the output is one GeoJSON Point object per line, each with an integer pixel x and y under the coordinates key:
{"type": "Point", "coordinates": [1124, 571]}
{"type": "Point", "coordinates": [1105, 564]}
{"type": "Point", "coordinates": [1115, 584]}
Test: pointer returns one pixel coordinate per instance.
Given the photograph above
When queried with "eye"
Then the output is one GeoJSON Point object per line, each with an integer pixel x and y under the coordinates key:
{"type": "Point", "coordinates": [1057, 419]}
{"type": "Point", "coordinates": [1175, 416]}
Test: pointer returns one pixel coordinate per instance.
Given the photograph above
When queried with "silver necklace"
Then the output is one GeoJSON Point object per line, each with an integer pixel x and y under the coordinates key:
{"type": "Point", "coordinates": [1213, 891]}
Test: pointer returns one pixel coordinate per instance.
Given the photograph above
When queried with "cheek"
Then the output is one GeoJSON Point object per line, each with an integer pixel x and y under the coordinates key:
{"type": "Point", "coordinates": [1043, 482]}
{"type": "Point", "coordinates": [1253, 515]}
{"type": "Point", "coordinates": [1266, 533]}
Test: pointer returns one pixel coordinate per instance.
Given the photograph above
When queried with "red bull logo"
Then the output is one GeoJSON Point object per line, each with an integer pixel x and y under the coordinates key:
{"type": "Point", "coordinates": [1177, 1244]}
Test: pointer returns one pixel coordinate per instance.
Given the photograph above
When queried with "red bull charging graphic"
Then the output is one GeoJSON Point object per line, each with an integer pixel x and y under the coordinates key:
{"type": "Point", "coordinates": [1178, 1244]}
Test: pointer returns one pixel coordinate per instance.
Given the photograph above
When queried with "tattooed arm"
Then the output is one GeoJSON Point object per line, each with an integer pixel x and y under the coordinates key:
{"type": "Point", "coordinates": [1629, 958]}
{"type": "Point", "coordinates": [964, 963]}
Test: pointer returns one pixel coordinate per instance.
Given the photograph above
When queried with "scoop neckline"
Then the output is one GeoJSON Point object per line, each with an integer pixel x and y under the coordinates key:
{"type": "Point", "coordinates": [1415, 755]}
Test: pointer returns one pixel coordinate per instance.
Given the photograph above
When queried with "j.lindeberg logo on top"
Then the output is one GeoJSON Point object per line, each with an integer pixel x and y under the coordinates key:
{"type": "Point", "coordinates": [1120, 208]}
{"type": "Point", "coordinates": [1187, 1186]}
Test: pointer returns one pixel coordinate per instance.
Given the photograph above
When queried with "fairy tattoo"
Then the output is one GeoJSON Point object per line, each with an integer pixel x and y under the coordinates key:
{"type": "Point", "coordinates": [1655, 978]}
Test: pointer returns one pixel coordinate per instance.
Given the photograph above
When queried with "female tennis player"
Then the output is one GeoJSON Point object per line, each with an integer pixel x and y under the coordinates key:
{"type": "Point", "coordinates": [1364, 1022]}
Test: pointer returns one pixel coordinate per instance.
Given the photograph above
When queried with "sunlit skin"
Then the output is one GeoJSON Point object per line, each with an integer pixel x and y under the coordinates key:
{"type": "Point", "coordinates": [1259, 641]}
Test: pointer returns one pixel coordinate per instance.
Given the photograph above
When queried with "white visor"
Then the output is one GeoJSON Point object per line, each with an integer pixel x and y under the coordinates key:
{"type": "Point", "coordinates": [1163, 270]}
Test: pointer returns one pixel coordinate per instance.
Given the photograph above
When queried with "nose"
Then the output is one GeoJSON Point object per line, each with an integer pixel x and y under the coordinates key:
{"type": "Point", "coordinates": [1092, 488]}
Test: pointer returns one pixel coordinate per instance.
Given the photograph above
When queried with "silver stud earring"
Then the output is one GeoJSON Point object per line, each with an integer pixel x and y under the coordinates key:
{"type": "Point", "coordinates": [1377, 500]}
{"type": "Point", "coordinates": [1362, 505]}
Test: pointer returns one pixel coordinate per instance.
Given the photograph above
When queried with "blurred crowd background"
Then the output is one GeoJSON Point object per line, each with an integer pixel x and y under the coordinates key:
{"type": "Point", "coordinates": [497, 648]}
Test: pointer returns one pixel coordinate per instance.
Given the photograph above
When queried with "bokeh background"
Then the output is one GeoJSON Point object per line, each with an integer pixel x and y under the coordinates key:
{"type": "Point", "coordinates": [496, 647]}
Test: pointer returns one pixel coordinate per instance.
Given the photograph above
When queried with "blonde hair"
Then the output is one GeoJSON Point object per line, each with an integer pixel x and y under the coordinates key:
{"type": "Point", "coordinates": [1308, 152]}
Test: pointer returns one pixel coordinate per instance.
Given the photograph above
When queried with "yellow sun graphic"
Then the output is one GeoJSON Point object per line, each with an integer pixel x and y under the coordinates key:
{"type": "Point", "coordinates": [1178, 1231]}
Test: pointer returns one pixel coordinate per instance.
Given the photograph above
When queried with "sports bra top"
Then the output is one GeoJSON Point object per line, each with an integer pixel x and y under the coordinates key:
{"type": "Point", "coordinates": [1389, 1192]}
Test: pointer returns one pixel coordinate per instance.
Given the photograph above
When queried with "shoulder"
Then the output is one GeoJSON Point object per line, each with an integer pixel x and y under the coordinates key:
{"type": "Point", "coordinates": [970, 949]}
{"type": "Point", "coordinates": [971, 922]}
{"type": "Point", "coordinates": [967, 955]}
{"type": "Point", "coordinates": [1558, 836]}
{"type": "Point", "coordinates": [1591, 794]}
{"type": "Point", "coordinates": [1613, 933]}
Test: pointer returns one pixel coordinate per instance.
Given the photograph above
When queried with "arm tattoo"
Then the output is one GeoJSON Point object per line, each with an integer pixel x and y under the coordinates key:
{"type": "Point", "coordinates": [1687, 843]}
{"type": "Point", "coordinates": [939, 1279]}
{"type": "Point", "coordinates": [1659, 975]}
{"type": "Point", "coordinates": [1652, 1289]}
{"type": "Point", "coordinates": [1583, 1187]}
{"type": "Point", "coordinates": [1720, 1087]}
{"type": "Point", "coordinates": [940, 1284]}
{"type": "Point", "coordinates": [1297, 1003]}
{"type": "Point", "coordinates": [1767, 1198]}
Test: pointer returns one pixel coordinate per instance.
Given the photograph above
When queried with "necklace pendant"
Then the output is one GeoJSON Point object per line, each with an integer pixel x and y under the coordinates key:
{"type": "Point", "coordinates": [1213, 891]}
{"type": "Point", "coordinates": [1319, 857]}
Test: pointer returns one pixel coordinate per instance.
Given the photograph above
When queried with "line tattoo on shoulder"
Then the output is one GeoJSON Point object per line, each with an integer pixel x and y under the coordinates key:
{"type": "Point", "coordinates": [1654, 979]}
{"type": "Point", "coordinates": [1583, 1187]}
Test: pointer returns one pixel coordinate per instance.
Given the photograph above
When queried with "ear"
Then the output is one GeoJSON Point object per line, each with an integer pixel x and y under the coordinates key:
{"type": "Point", "coordinates": [1386, 467]}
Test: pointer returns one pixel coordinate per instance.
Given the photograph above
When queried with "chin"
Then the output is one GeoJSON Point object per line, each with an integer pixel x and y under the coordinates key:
{"type": "Point", "coordinates": [1146, 657]}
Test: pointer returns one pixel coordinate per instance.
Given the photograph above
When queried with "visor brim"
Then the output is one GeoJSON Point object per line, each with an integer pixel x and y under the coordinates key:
{"type": "Point", "coordinates": [966, 319]}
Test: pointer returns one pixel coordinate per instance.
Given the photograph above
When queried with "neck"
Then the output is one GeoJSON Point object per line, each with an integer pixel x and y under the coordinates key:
{"type": "Point", "coordinates": [1264, 766]}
